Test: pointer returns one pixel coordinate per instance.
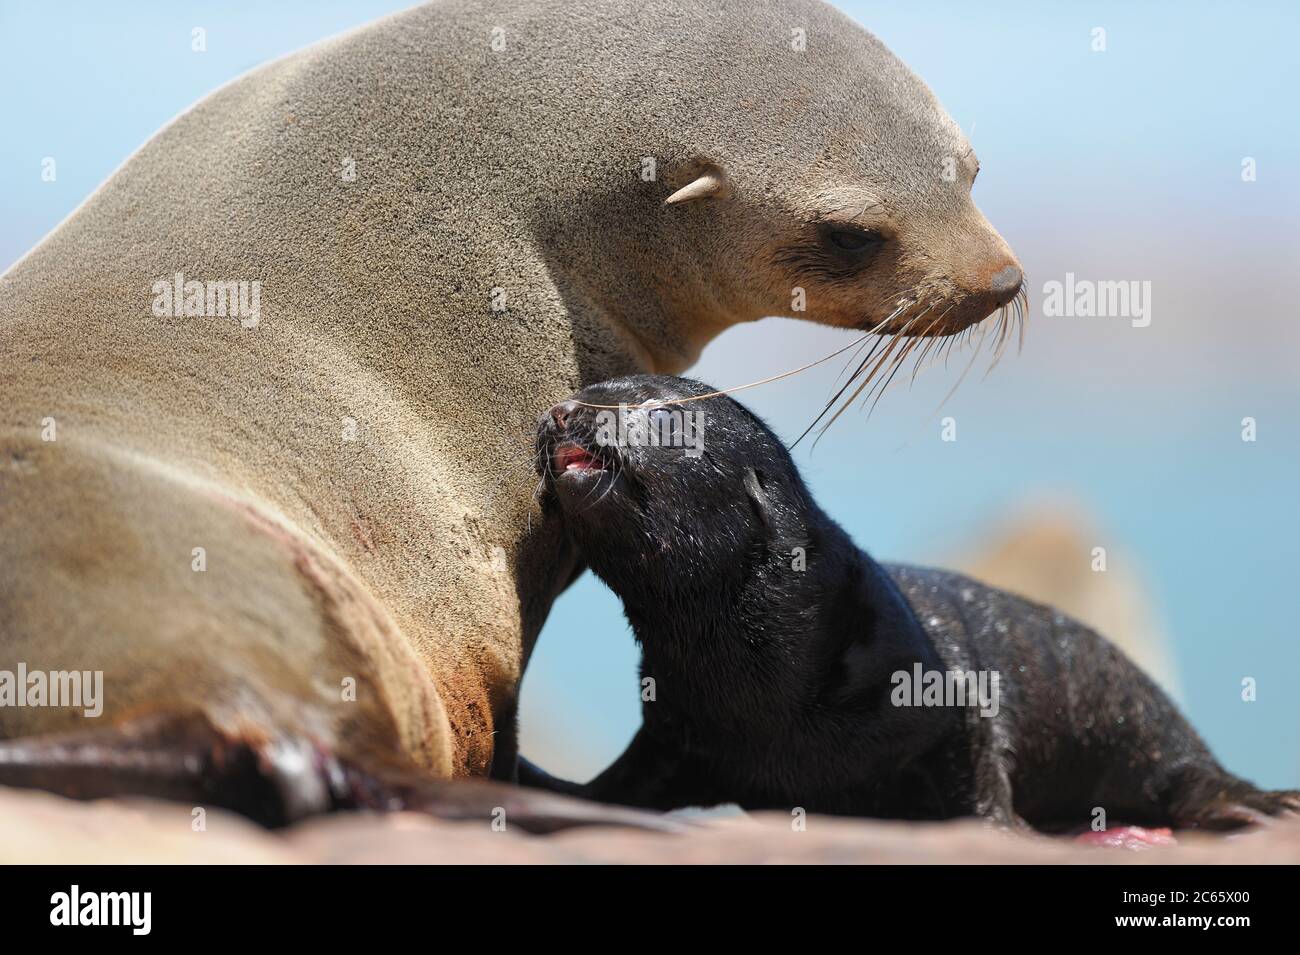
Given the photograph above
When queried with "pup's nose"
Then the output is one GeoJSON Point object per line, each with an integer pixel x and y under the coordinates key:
{"type": "Point", "coordinates": [560, 413]}
{"type": "Point", "coordinates": [1006, 283]}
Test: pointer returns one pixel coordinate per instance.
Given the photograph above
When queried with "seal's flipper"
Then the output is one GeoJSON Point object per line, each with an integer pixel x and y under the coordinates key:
{"type": "Point", "coordinates": [182, 758]}
{"type": "Point", "coordinates": [1226, 802]}
{"type": "Point", "coordinates": [648, 775]}
{"type": "Point", "coordinates": [534, 777]}
{"type": "Point", "coordinates": [277, 780]}
{"type": "Point", "coordinates": [532, 810]}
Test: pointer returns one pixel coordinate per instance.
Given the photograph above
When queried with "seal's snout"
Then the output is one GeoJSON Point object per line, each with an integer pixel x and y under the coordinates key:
{"type": "Point", "coordinates": [561, 413]}
{"type": "Point", "coordinates": [1006, 283]}
{"type": "Point", "coordinates": [565, 449]}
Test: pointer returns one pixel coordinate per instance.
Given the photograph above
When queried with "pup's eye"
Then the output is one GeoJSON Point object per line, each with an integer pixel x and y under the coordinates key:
{"type": "Point", "coordinates": [662, 420]}
{"type": "Point", "coordinates": [665, 427]}
{"type": "Point", "coordinates": [853, 240]}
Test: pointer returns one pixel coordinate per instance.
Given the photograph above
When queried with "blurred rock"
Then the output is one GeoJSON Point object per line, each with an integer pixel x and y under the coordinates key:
{"type": "Point", "coordinates": [40, 828]}
{"type": "Point", "coordinates": [1043, 551]}
{"type": "Point", "coordinates": [37, 827]}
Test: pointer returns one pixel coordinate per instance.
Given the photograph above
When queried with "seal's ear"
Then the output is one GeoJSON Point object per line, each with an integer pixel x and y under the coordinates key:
{"type": "Point", "coordinates": [710, 183]}
{"type": "Point", "coordinates": [757, 496]}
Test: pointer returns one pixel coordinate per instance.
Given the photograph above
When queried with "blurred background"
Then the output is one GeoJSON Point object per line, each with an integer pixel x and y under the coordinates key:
{"type": "Point", "coordinates": [1117, 165]}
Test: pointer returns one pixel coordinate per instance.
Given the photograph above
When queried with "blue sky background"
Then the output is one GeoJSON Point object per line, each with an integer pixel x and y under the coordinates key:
{"type": "Point", "coordinates": [1116, 165]}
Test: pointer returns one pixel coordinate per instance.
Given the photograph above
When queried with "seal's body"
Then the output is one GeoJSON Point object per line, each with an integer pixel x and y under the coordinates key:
{"type": "Point", "coordinates": [784, 667]}
{"type": "Point", "coordinates": [311, 518]}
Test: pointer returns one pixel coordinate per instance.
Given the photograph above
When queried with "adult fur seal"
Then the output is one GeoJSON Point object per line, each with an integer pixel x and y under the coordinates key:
{"type": "Point", "coordinates": [311, 520]}
{"type": "Point", "coordinates": [790, 669]}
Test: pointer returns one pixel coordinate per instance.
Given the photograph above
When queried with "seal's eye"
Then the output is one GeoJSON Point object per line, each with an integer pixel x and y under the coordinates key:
{"type": "Point", "coordinates": [852, 241]}
{"type": "Point", "coordinates": [663, 422]}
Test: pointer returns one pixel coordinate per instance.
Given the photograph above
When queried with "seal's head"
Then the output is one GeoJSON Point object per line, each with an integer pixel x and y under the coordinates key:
{"type": "Point", "coordinates": [858, 209]}
{"type": "Point", "coordinates": [790, 165]}
{"type": "Point", "coordinates": [663, 496]}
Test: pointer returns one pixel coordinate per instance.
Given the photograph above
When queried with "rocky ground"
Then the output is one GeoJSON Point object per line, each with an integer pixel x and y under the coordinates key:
{"type": "Point", "coordinates": [39, 828]}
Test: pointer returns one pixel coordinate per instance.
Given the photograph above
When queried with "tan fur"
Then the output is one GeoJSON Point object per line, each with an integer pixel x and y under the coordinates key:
{"type": "Point", "coordinates": [518, 170]}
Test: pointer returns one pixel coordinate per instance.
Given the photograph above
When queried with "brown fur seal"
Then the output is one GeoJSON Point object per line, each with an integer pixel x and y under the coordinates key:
{"type": "Point", "coordinates": [790, 669]}
{"type": "Point", "coordinates": [455, 216]}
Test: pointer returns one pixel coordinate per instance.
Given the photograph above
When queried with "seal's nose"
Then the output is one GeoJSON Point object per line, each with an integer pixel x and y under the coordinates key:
{"type": "Point", "coordinates": [561, 412]}
{"type": "Point", "coordinates": [1006, 283]}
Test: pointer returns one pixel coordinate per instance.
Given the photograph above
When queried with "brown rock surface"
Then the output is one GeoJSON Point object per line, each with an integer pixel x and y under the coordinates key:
{"type": "Point", "coordinates": [39, 828]}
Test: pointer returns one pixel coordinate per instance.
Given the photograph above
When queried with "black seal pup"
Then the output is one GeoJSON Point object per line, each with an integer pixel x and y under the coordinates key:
{"type": "Point", "coordinates": [783, 667]}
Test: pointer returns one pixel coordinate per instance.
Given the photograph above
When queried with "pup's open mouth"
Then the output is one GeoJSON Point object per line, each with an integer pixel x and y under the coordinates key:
{"type": "Point", "coordinates": [570, 457]}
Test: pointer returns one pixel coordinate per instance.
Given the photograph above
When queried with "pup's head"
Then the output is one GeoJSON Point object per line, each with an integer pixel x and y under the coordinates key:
{"type": "Point", "coordinates": [663, 496]}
